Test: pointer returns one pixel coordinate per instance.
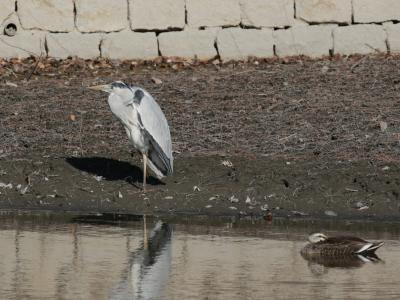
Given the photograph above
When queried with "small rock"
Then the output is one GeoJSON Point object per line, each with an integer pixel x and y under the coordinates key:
{"type": "Point", "coordinates": [324, 69]}
{"type": "Point", "coordinates": [299, 213]}
{"type": "Point", "coordinates": [227, 163]}
{"type": "Point", "coordinates": [6, 186]}
{"type": "Point", "coordinates": [168, 197]}
{"type": "Point", "coordinates": [364, 207]}
{"type": "Point", "coordinates": [383, 126]}
{"type": "Point", "coordinates": [264, 207]}
{"type": "Point", "coordinates": [196, 189]}
{"type": "Point", "coordinates": [120, 195]}
{"type": "Point", "coordinates": [330, 213]}
{"type": "Point", "coordinates": [268, 217]}
{"type": "Point", "coordinates": [360, 206]}
{"type": "Point", "coordinates": [212, 198]}
{"type": "Point", "coordinates": [23, 191]}
{"type": "Point", "coordinates": [248, 200]}
{"type": "Point", "coordinates": [98, 178]}
{"type": "Point", "coordinates": [385, 168]}
{"type": "Point", "coordinates": [156, 80]}
{"type": "Point", "coordinates": [233, 199]}
{"type": "Point", "coordinates": [12, 84]}
{"type": "Point", "coordinates": [232, 207]}
{"type": "Point", "coordinates": [208, 206]}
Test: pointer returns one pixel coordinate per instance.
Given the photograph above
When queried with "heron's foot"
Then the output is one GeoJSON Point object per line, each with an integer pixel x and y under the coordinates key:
{"type": "Point", "coordinates": [147, 189]}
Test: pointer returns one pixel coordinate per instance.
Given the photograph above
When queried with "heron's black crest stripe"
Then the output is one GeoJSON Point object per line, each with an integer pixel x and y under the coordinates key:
{"type": "Point", "coordinates": [139, 96]}
{"type": "Point", "coordinates": [119, 84]}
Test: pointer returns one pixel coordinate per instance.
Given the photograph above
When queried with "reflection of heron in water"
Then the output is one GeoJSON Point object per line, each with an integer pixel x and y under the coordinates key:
{"type": "Point", "coordinates": [148, 268]}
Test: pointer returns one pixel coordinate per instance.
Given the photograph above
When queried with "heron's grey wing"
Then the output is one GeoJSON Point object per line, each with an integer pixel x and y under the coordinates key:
{"type": "Point", "coordinates": [156, 126]}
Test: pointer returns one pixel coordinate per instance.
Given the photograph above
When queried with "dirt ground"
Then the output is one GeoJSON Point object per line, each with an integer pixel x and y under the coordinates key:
{"type": "Point", "coordinates": [305, 137]}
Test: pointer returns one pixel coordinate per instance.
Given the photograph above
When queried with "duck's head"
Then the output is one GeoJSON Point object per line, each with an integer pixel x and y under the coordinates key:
{"type": "Point", "coordinates": [317, 237]}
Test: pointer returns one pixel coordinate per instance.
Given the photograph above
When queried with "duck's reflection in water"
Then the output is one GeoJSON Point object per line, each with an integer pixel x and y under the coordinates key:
{"type": "Point", "coordinates": [320, 264]}
{"type": "Point", "coordinates": [147, 273]}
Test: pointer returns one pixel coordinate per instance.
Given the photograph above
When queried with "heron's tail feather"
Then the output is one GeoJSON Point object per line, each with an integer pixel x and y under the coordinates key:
{"type": "Point", "coordinates": [156, 171]}
{"type": "Point", "coordinates": [158, 160]}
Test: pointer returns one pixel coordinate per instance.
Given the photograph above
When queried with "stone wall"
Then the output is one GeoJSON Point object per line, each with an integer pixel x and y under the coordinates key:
{"type": "Point", "coordinates": [197, 29]}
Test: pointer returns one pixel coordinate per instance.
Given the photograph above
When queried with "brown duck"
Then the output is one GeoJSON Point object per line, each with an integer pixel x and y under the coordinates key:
{"type": "Point", "coordinates": [338, 246]}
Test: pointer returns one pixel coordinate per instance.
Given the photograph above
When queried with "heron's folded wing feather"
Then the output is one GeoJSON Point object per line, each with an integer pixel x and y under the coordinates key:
{"type": "Point", "coordinates": [155, 123]}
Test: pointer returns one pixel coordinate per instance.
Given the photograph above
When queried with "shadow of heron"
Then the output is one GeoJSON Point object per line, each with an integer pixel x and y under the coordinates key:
{"type": "Point", "coordinates": [111, 169]}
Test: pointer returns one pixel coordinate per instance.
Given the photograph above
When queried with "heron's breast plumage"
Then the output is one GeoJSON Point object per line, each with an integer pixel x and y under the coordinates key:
{"type": "Point", "coordinates": [128, 116]}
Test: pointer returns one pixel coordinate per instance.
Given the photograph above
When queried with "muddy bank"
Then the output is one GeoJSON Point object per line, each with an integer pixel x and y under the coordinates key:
{"type": "Point", "coordinates": [306, 137]}
{"type": "Point", "coordinates": [210, 185]}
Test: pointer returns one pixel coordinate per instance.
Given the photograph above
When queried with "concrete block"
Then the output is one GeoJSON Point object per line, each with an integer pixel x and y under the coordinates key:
{"type": "Point", "coordinates": [130, 45]}
{"type": "Point", "coordinates": [267, 13]}
{"type": "Point", "coordinates": [240, 44]}
{"type": "Point", "coordinates": [324, 11]}
{"type": "Point", "coordinates": [7, 7]}
{"type": "Point", "coordinates": [101, 15]}
{"type": "Point", "coordinates": [312, 41]}
{"type": "Point", "coordinates": [212, 13]}
{"type": "Point", "coordinates": [63, 45]}
{"type": "Point", "coordinates": [24, 44]}
{"type": "Point", "coordinates": [156, 14]}
{"type": "Point", "coordinates": [393, 32]}
{"type": "Point", "coordinates": [51, 15]}
{"type": "Point", "coordinates": [299, 23]}
{"type": "Point", "coordinates": [369, 11]}
{"type": "Point", "coordinates": [362, 39]}
{"type": "Point", "coordinates": [188, 44]}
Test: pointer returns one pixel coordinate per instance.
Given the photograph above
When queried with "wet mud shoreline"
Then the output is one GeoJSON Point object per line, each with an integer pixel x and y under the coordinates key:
{"type": "Point", "coordinates": [213, 186]}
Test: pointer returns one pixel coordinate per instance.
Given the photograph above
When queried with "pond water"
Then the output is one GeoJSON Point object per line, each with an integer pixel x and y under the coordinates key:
{"type": "Point", "coordinates": [49, 258]}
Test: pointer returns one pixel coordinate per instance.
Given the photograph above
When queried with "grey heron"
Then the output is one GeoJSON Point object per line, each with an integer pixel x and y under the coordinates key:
{"type": "Point", "coordinates": [144, 123]}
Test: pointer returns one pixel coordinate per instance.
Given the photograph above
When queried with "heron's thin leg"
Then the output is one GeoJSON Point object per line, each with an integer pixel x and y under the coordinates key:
{"type": "Point", "coordinates": [145, 242]}
{"type": "Point", "coordinates": [144, 171]}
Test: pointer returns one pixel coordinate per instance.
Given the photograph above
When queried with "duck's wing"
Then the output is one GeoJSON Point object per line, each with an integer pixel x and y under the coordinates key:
{"type": "Point", "coordinates": [343, 239]}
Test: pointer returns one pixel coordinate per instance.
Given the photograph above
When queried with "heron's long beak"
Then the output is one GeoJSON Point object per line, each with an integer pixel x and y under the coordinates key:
{"type": "Point", "coordinates": [104, 88]}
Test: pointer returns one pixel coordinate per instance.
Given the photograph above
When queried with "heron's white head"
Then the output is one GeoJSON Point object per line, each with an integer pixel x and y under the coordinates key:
{"type": "Point", "coordinates": [120, 93]}
{"type": "Point", "coordinates": [317, 237]}
{"type": "Point", "coordinates": [117, 87]}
